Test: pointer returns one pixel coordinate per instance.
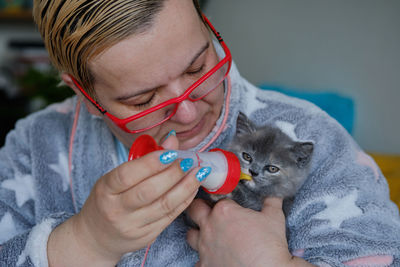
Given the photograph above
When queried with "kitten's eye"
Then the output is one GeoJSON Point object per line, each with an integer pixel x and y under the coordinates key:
{"type": "Point", "coordinates": [247, 157]}
{"type": "Point", "coordinates": [272, 169]}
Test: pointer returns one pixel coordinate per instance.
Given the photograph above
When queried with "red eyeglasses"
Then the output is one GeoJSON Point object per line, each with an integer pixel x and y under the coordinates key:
{"type": "Point", "coordinates": [163, 111]}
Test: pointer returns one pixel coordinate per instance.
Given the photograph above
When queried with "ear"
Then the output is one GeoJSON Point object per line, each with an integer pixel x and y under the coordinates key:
{"type": "Point", "coordinates": [89, 106]}
{"type": "Point", "coordinates": [302, 152]}
{"type": "Point", "coordinates": [244, 125]}
{"type": "Point", "coordinates": [67, 79]}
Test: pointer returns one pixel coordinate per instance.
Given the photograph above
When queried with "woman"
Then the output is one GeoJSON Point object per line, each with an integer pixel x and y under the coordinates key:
{"type": "Point", "coordinates": [68, 198]}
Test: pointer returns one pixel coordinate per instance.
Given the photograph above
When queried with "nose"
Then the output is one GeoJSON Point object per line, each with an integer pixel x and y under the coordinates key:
{"type": "Point", "coordinates": [253, 173]}
{"type": "Point", "coordinates": [187, 111]}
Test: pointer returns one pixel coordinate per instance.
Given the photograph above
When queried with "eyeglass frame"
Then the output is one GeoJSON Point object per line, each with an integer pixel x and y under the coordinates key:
{"type": "Point", "coordinates": [121, 123]}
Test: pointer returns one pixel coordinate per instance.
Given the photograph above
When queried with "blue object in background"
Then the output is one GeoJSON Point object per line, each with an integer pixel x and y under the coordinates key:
{"type": "Point", "coordinates": [337, 106]}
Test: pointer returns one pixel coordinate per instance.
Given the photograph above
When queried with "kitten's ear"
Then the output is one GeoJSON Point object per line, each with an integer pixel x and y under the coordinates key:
{"type": "Point", "coordinates": [244, 125]}
{"type": "Point", "coordinates": [302, 153]}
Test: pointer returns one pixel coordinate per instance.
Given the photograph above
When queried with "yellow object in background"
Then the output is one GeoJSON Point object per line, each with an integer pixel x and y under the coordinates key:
{"type": "Point", "coordinates": [390, 167]}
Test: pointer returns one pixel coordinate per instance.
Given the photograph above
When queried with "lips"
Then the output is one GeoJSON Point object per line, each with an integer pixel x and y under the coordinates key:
{"type": "Point", "coordinates": [193, 131]}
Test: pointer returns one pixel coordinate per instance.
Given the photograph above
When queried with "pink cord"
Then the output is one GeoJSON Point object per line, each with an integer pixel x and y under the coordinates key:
{"type": "Point", "coordinates": [145, 255]}
{"type": "Point", "coordinates": [198, 160]}
{"type": "Point", "coordinates": [71, 143]}
{"type": "Point", "coordinates": [73, 131]}
{"type": "Point", "coordinates": [228, 95]}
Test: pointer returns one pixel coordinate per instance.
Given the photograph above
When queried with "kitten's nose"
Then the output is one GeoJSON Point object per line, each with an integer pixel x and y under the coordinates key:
{"type": "Point", "coordinates": [253, 173]}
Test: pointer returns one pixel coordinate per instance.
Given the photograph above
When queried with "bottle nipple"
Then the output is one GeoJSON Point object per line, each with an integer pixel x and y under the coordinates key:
{"type": "Point", "coordinates": [244, 176]}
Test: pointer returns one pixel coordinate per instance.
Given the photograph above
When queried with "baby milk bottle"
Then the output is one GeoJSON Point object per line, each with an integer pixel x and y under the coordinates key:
{"type": "Point", "coordinates": [225, 165]}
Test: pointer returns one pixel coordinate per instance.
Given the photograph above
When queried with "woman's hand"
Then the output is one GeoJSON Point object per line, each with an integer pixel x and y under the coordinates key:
{"type": "Point", "coordinates": [126, 210]}
{"type": "Point", "coordinates": [231, 235]}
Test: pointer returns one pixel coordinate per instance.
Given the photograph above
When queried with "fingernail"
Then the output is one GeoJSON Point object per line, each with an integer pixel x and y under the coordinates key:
{"type": "Point", "coordinates": [168, 157]}
{"type": "Point", "coordinates": [203, 173]}
{"type": "Point", "coordinates": [172, 132]}
{"type": "Point", "coordinates": [186, 164]}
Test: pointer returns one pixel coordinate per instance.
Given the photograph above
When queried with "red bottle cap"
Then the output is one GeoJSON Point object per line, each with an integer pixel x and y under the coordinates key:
{"type": "Point", "coordinates": [233, 175]}
{"type": "Point", "coordinates": [143, 145]}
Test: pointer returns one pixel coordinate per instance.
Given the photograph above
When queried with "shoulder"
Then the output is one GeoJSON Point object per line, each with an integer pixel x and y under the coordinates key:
{"type": "Point", "coordinates": [267, 103]}
{"type": "Point", "coordinates": [277, 109]}
{"type": "Point", "coordinates": [300, 120]}
{"type": "Point", "coordinates": [54, 120]}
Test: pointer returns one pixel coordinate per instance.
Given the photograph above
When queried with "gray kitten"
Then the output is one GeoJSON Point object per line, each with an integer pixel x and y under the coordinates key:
{"type": "Point", "coordinates": [278, 165]}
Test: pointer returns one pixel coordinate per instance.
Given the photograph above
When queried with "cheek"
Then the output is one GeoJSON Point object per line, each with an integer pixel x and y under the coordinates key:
{"type": "Point", "coordinates": [216, 98]}
{"type": "Point", "coordinates": [267, 179]}
{"type": "Point", "coordinates": [126, 138]}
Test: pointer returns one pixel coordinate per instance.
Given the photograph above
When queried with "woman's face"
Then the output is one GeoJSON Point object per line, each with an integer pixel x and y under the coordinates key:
{"type": "Point", "coordinates": [155, 66]}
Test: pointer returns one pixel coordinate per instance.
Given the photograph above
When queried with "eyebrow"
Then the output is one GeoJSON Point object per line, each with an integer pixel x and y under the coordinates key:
{"type": "Point", "coordinates": [195, 57]}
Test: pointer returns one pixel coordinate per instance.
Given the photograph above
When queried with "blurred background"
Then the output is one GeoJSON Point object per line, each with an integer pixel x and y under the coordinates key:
{"type": "Point", "coordinates": [27, 80]}
{"type": "Point", "coordinates": [342, 55]}
{"type": "Point", "coordinates": [346, 47]}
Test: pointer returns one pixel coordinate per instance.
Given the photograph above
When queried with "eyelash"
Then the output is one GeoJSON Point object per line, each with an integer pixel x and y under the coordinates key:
{"type": "Point", "coordinates": [196, 71]}
{"type": "Point", "coordinates": [147, 103]}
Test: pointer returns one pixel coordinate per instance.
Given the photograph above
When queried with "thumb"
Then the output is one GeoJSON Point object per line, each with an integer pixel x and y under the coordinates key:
{"type": "Point", "coordinates": [272, 203]}
{"type": "Point", "coordinates": [171, 142]}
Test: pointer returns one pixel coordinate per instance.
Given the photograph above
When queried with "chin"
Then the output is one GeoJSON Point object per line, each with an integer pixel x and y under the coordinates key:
{"type": "Point", "coordinates": [187, 142]}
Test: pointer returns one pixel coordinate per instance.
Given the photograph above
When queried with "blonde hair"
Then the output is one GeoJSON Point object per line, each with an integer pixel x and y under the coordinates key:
{"type": "Point", "coordinates": [75, 31]}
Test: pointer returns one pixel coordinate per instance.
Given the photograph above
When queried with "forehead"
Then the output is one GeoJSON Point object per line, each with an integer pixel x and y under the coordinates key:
{"type": "Point", "coordinates": [156, 54]}
{"type": "Point", "coordinates": [268, 141]}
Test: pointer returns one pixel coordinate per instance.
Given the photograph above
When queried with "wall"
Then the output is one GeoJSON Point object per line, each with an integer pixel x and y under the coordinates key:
{"type": "Point", "coordinates": [351, 47]}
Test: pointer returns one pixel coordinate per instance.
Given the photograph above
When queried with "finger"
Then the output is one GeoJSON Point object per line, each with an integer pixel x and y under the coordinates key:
{"type": "Point", "coordinates": [159, 225]}
{"type": "Point", "coordinates": [199, 211]}
{"type": "Point", "coordinates": [272, 203]}
{"type": "Point", "coordinates": [171, 142]}
{"type": "Point", "coordinates": [182, 194]}
{"type": "Point", "coordinates": [133, 172]}
{"type": "Point", "coordinates": [192, 237]}
{"type": "Point", "coordinates": [151, 189]}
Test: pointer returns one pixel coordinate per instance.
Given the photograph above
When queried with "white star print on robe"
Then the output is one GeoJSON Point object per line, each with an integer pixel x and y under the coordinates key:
{"type": "Point", "coordinates": [339, 209]}
{"type": "Point", "coordinates": [288, 129]}
{"type": "Point", "coordinates": [61, 168]}
{"type": "Point", "coordinates": [23, 186]}
{"type": "Point", "coordinates": [36, 244]}
{"type": "Point", "coordinates": [7, 227]}
{"type": "Point", "coordinates": [255, 105]}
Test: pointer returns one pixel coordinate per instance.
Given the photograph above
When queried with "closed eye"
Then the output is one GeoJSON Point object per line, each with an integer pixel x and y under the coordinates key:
{"type": "Point", "coordinates": [196, 71]}
{"type": "Point", "coordinates": [146, 103]}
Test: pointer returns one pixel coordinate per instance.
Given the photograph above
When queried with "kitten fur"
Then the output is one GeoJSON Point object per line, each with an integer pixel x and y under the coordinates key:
{"type": "Point", "coordinates": [278, 165]}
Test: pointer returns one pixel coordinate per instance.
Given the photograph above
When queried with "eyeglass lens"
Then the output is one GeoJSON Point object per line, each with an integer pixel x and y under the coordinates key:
{"type": "Point", "coordinates": [198, 93]}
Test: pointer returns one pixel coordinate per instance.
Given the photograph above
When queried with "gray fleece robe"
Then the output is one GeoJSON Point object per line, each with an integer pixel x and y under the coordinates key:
{"type": "Point", "coordinates": [341, 216]}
